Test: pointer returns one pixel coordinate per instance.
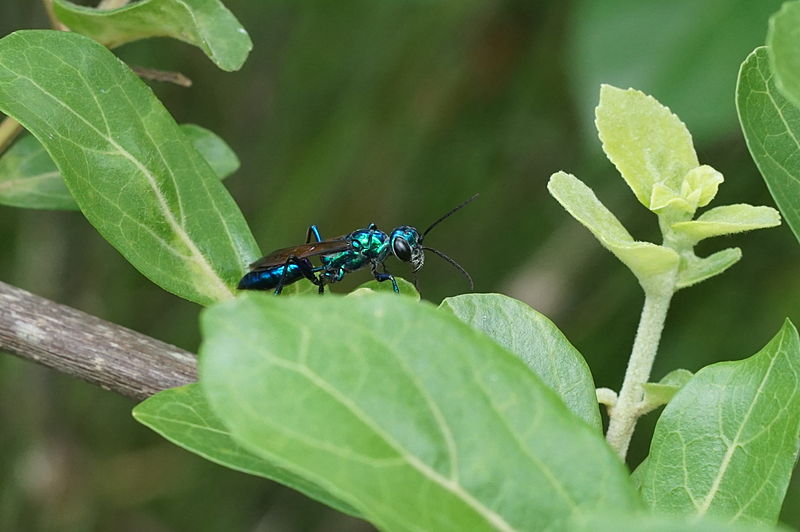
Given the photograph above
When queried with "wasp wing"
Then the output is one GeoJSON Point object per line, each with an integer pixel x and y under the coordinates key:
{"type": "Point", "coordinates": [280, 256]}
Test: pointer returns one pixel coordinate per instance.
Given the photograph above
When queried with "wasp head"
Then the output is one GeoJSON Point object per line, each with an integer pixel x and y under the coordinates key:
{"type": "Point", "coordinates": [406, 246]}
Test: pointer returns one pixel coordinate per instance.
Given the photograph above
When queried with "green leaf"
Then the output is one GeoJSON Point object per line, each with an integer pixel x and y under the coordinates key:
{"type": "Point", "coordinates": [406, 288]}
{"type": "Point", "coordinates": [646, 142]}
{"type": "Point", "coordinates": [136, 178]}
{"type": "Point", "coordinates": [613, 522]}
{"type": "Point", "coordinates": [182, 416]}
{"type": "Point", "coordinates": [644, 259]}
{"type": "Point", "coordinates": [215, 151]}
{"type": "Point", "coordinates": [727, 443]}
{"type": "Point", "coordinates": [783, 48]}
{"type": "Point", "coordinates": [30, 179]}
{"type": "Point", "coordinates": [404, 412]}
{"type": "Point", "coordinates": [661, 392]}
{"type": "Point", "coordinates": [537, 342]}
{"type": "Point", "coordinates": [771, 126]}
{"type": "Point", "coordinates": [207, 24]}
{"type": "Point", "coordinates": [728, 219]}
{"type": "Point", "coordinates": [694, 269]}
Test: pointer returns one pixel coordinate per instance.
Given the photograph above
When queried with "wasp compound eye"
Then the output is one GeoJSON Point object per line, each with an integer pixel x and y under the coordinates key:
{"type": "Point", "coordinates": [401, 249]}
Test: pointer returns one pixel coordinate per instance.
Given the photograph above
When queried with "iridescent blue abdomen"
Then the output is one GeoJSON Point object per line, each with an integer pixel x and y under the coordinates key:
{"type": "Point", "coordinates": [269, 278]}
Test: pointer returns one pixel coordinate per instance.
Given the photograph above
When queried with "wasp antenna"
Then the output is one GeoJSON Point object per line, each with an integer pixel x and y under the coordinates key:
{"type": "Point", "coordinates": [452, 262]}
{"type": "Point", "coordinates": [434, 224]}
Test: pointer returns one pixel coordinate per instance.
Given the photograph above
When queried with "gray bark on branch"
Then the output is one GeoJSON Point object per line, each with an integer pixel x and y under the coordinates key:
{"type": "Point", "coordinates": [84, 346]}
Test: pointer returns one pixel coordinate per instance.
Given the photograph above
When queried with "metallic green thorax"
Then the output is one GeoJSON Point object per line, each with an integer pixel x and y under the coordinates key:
{"type": "Point", "coordinates": [367, 246]}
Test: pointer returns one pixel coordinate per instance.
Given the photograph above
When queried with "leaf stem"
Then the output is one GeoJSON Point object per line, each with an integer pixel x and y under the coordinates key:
{"type": "Point", "coordinates": [627, 410]}
{"type": "Point", "coordinates": [9, 130]}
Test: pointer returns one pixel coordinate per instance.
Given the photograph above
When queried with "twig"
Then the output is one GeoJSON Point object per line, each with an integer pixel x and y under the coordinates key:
{"type": "Point", "coordinates": [91, 349]}
{"type": "Point", "coordinates": [162, 75]}
{"type": "Point", "coordinates": [9, 130]}
{"type": "Point", "coordinates": [54, 22]}
{"type": "Point", "coordinates": [112, 4]}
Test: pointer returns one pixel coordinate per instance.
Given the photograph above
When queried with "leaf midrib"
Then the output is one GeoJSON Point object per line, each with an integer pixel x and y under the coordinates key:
{"type": "Point", "coordinates": [221, 291]}
{"type": "Point", "coordinates": [734, 444]}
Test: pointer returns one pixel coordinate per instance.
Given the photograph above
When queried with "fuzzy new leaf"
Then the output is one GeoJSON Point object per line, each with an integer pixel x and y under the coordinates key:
{"type": "Point", "coordinates": [644, 259]}
{"type": "Point", "coordinates": [694, 269]}
{"type": "Point", "coordinates": [206, 24]}
{"type": "Point", "coordinates": [661, 392]}
{"type": "Point", "coordinates": [645, 141]}
{"type": "Point", "coordinates": [726, 220]}
{"type": "Point", "coordinates": [727, 442]}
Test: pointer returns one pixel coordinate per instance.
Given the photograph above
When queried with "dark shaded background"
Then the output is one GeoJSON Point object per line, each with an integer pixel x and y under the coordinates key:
{"type": "Point", "coordinates": [356, 111]}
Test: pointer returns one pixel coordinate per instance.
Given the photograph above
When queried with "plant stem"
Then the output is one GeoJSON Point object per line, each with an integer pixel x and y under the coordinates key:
{"type": "Point", "coordinates": [626, 411]}
{"type": "Point", "coordinates": [86, 347]}
{"type": "Point", "coordinates": [112, 4]}
{"type": "Point", "coordinates": [54, 22]}
{"type": "Point", "coordinates": [9, 129]}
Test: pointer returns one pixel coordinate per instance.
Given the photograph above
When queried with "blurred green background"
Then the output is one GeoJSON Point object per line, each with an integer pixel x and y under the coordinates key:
{"type": "Point", "coordinates": [392, 112]}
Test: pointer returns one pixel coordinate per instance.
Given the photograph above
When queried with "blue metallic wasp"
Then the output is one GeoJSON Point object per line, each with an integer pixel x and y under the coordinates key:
{"type": "Point", "coordinates": [361, 248]}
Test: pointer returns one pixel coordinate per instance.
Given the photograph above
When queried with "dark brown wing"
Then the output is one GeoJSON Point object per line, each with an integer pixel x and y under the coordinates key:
{"type": "Point", "coordinates": [279, 256]}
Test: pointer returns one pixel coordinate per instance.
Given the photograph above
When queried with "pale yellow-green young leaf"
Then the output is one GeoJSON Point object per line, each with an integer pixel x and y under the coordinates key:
{"type": "Point", "coordinates": [704, 180]}
{"type": "Point", "coordinates": [662, 197]}
{"type": "Point", "coordinates": [695, 269]}
{"type": "Point", "coordinates": [642, 258]}
{"type": "Point", "coordinates": [728, 219]}
{"type": "Point", "coordinates": [659, 393]}
{"type": "Point", "coordinates": [645, 141]}
{"type": "Point", "coordinates": [698, 188]}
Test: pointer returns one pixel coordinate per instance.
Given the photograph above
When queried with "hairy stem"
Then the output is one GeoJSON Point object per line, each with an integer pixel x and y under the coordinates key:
{"type": "Point", "coordinates": [627, 410]}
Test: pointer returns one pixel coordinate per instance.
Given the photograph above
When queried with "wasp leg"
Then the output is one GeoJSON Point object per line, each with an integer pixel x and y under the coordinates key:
{"type": "Point", "coordinates": [313, 230]}
{"type": "Point", "coordinates": [305, 268]}
{"type": "Point", "coordinates": [385, 276]}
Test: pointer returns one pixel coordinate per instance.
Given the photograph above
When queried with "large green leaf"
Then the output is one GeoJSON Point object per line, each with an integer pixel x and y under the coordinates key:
{"type": "Point", "coordinates": [537, 342]}
{"type": "Point", "coordinates": [406, 288]}
{"type": "Point", "coordinates": [215, 151]}
{"type": "Point", "coordinates": [404, 412]}
{"type": "Point", "coordinates": [613, 522]}
{"type": "Point", "coordinates": [771, 126]}
{"type": "Point", "coordinates": [132, 172]}
{"type": "Point", "coordinates": [30, 179]}
{"type": "Point", "coordinates": [727, 442]}
{"type": "Point", "coordinates": [783, 48]}
{"type": "Point", "coordinates": [206, 24]}
{"type": "Point", "coordinates": [182, 416]}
